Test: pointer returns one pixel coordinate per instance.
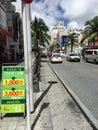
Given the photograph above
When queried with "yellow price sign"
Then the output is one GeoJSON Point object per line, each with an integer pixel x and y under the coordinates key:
{"type": "Point", "coordinates": [9, 82]}
{"type": "Point", "coordinates": [8, 93]}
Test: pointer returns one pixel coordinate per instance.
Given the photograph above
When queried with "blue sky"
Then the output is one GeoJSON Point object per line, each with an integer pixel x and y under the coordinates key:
{"type": "Point", "coordinates": [69, 11]}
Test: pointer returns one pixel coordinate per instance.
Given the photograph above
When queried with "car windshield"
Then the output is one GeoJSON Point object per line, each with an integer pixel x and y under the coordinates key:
{"type": "Point", "coordinates": [73, 54]}
{"type": "Point", "coordinates": [56, 55]}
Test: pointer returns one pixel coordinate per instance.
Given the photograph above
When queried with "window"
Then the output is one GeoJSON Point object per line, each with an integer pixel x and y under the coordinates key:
{"type": "Point", "coordinates": [88, 52]}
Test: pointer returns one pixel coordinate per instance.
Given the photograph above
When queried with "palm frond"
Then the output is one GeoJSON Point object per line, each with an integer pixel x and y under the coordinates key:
{"type": "Point", "coordinates": [39, 32]}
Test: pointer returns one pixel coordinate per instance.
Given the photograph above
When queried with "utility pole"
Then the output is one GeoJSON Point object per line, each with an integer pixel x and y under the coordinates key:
{"type": "Point", "coordinates": [28, 59]}
{"type": "Point", "coordinates": [25, 34]}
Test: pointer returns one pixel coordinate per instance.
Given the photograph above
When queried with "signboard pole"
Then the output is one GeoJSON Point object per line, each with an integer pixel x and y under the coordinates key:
{"type": "Point", "coordinates": [30, 59]}
{"type": "Point", "coordinates": [26, 65]}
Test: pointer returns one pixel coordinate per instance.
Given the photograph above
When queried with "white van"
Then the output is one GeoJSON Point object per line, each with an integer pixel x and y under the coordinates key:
{"type": "Point", "coordinates": [91, 55]}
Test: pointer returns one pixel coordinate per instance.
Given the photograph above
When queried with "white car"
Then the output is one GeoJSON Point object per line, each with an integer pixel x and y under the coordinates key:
{"type": "Point", "coordinates": [56, 58]}
{"type": "Point", "coordinates": [73, 57]}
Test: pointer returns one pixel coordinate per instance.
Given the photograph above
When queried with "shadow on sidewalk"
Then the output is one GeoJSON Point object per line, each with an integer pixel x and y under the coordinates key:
{"type": "Point", "coordinates": [8, 115]}
{"type": "Point", "coordinates": [43, 95]}
{"type": "Point", "coordinates": [44, 105]}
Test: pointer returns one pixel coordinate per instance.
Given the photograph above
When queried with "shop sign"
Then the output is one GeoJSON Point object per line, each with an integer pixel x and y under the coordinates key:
{"type": "Point", "coordinates": [13, 89]}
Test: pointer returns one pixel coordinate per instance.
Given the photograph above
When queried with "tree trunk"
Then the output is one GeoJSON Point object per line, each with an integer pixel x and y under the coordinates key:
{"type": "Point", "coordinates": [71, 47]}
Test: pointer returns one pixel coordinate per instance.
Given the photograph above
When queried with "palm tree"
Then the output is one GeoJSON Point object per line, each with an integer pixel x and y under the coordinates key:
{"type": "Point", "coordinates": [72, 40]}
{"type": "Point", "coordinates": [39, 32]}
{"type": "Point", "coordinates": [91, 30]}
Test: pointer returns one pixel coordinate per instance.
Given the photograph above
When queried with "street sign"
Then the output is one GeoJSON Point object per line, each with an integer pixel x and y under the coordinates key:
{"type": "Point", "coordinates": [13, 89]}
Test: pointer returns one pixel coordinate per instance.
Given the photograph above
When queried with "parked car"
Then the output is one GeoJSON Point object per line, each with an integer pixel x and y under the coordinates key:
{"type": "Point", "coordinates": [73, 56]}
{"type": "Point", "coordinates": [91, 55]}
{"type": "Point", "coordinates": [56, 58]}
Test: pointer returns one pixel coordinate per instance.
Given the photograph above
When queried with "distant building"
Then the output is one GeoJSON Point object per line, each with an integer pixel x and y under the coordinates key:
{"type": "Point", "coordinates": [57, 32]}
{"type": "Point", "coordinates": [61, 29]}
{"type": "Point", "coordinates": [60, 32]}
{"type": "Point", "coordinates": [54, 35]}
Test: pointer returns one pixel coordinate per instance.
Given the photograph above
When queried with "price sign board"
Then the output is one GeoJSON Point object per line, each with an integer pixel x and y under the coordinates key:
{"type": "Point", "coordinates": [13, 89]}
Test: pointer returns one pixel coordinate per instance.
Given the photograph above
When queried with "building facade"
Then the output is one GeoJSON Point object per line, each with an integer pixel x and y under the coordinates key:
{"type": "Point", "coordinates": [57, 32]}
{"type": "Point", "coordinates": [60, 33]}
{"type": "Point", "coordinates": [9, 31]}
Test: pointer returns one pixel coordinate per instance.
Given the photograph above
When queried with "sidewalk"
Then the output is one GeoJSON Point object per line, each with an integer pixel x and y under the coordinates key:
{"type": "Point", "coordinates": [54, 108]}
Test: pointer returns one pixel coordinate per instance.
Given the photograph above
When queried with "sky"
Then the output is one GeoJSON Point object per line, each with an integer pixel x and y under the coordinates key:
{"type": "Point", "coordinates": [73, 13]}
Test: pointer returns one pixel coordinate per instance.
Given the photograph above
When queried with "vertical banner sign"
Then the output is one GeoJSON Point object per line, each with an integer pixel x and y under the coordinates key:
{"type": "Point", "coordinates": [64, 40]}
{"type": "Point", "coordinates": [13, 89]}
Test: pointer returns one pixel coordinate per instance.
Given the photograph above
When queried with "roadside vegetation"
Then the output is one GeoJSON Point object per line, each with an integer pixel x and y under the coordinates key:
{"type": "Point", "coordinates": [39, 33]}
{"type": "Point", "coordinates": [72, 40]}
{"type": "Point", "coordinates": [40, 38]}
{"type": "Point", "coordinates": [90, 32]}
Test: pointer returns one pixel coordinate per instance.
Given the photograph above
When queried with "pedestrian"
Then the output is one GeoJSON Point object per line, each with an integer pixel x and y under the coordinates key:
{"type": "Point", "coordinates": [82, 53]}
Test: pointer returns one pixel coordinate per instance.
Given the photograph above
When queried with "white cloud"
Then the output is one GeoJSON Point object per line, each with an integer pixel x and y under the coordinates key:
{"type": "Point", "coordinates": [73, 10]}
{"type": "Point", "coordinates": [81, 10]}
{"type": "Point", "coordinates": [46, 11]}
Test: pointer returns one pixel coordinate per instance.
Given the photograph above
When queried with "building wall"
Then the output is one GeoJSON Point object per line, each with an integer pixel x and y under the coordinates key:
{"type": "Point", "coordinates": [7, 28]}
{"type": "Point", "coordinates": [60, 30]}
{"type": "Point", "coordinates": [54, 36]}
{"type": "Point", "coordinates": [17, 21]}
{"type": "Point", "coordinates": [57, 32]}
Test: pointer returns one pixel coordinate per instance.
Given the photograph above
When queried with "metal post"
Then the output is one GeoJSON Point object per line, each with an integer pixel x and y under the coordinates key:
{"type": "Point", "coordinates": [30, 58]}
{"type": "Point", "coordinates": [26, 65]}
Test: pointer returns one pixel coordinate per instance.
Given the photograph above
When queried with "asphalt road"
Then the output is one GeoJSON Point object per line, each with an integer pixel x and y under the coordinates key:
{"type": "Point", "coordinates": [82, 78]}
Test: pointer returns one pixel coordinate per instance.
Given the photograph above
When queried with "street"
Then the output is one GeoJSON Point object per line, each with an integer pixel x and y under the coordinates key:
{"type": "Point", "coordinates": [82, 78]}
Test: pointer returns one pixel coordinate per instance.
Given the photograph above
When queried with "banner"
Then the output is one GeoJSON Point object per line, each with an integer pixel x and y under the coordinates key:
{"type": "Point", "coordinates": [13, 89]}
{"type": "Point", "coordinates": [63, 40]}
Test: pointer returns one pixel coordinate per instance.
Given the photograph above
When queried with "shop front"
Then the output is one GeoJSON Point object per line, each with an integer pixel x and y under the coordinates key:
{"type": "Point", "coordinates": [2, 46]}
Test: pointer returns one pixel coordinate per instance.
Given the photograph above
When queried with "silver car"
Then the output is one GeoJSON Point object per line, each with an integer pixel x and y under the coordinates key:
{"type": "Point", "coordinates": [73, 57]}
